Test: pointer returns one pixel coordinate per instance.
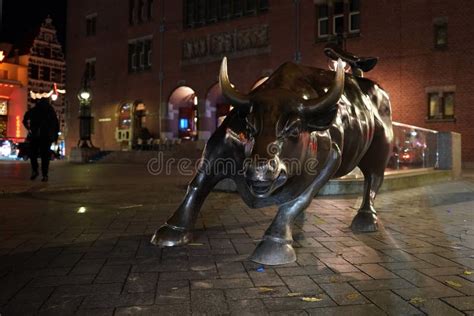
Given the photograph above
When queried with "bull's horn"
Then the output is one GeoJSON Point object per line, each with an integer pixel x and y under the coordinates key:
{"type": "Point", "coordinates": [329, 100]}
{"type": "Point", "coordinates": [233, 95]}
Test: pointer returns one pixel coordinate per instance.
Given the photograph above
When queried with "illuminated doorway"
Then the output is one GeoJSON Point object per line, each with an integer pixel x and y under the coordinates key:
{"type": "Point", "coordinates": [183, 113]}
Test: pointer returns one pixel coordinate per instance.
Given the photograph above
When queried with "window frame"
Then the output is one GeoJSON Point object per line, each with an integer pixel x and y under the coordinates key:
{"type": "Point", "coordinates": [437, 26]}
{"type": "Point", "coordinates": [442, 106]}
{"type": "Point", "coordinates": [139, 59]}
{"type": "Point", "coordinates": [91, 25]}
{"type": "Point", "coordinates": [90, 64]}
{"type": "Point", "coordinates": [347, 15]}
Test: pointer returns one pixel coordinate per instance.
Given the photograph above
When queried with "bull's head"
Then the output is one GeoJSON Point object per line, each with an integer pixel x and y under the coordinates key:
{"type": "Point", "coordinates": [279, 123]}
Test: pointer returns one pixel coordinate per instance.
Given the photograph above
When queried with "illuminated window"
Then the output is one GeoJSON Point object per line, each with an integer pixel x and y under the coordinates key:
{"type": "Point", "coordinates": [440, 105]}
{"type": "Point", "coordinates": [183, 123]}
{"type": "Point", "coordinates": [91, 21]}
{"type": "Point", "coordinates": [337, 18]}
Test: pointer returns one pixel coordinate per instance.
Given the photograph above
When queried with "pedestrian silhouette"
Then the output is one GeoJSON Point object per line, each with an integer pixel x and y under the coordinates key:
{"type": "Point", "coordinates": [43, 128]}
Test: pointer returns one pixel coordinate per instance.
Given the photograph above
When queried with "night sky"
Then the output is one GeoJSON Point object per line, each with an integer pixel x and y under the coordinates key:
{"type": "Point", "coordinates": [22, 19]}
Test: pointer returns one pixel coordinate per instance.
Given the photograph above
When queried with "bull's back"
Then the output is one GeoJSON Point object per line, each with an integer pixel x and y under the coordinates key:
{"type": "Point", "coordinates": [363, 112]}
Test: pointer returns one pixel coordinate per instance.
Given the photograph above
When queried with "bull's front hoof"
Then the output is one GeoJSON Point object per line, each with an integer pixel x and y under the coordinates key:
{"type": "Point", "coordinates": [365, 222]}
{"type": "Point", "coordinates": [171, 236]}
{"type": "Point", "coordinates": [274, 251]}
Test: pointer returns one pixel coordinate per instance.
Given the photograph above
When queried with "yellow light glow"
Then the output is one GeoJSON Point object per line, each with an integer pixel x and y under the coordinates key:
{"type": "Point", "coordinates": [82, 209]}
{"type": "Point", "coordinates": [17, 126]}
{"type": "Point", "coordinates": [2, 56]}
{"type": "Point", "coordinates": [54, 97]}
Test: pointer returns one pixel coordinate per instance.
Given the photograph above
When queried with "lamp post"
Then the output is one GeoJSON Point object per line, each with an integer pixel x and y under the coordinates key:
{"type": "Point", "coordinates": [84, 151]}
{"type": "Point", "coordinates": [85, 118]}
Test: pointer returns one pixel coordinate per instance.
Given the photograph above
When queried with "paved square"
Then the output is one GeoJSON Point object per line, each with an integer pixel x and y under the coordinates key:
{"type": "Point", "coordinates": [58, 258]}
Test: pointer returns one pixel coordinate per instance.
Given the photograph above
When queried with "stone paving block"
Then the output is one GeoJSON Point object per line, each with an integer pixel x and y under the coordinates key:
{"type": "Point", "coordinates": [27, 301]}
{"type": "Point", "coordinates": [189, 275]}
{"type": "Point", "coordinates": [437, 307]}
{"type": "Point", "coordinates": [141, 282]}
{"type": "Point", "coordinates": [169, 310]}
{"type": "Point", "coordinates": [375, 271]}
{"type": "Point", "coordinates": [302, 283]}
{"type": "Point", "coordinates": [256, 292]}
{"type": "Point", "coordinates": [87, 289]}
{"type": "Point", "coordinates": [305, 270]}
{"type": "Point", "coordinates": [407, 265]}
{"type": "Point", "coordinates": [112, 274]}
{"type": "Point", "coordinates": [342, 268]}
{"type": "Point", "coordinates": [391, 303]}
{"type": "Point", "coordinates": [295, 303]}
{"type": "Point", "coordinates": [389, 284]}
{"type": "Point", "coordinates": [221, 284]}
{"type": "Point", "coordinates": [115, 300]}
{"type": "Point", "coordinates": [427, 292]}
{"type": "Point", "coordinates": [357, 310]}
{"type": "Point", "coordinates": [61, 306]}
{"type": "Point", "coordinates": [62, 280]}
{"type": "Point", "coordinates": [459, 284]}
{"type": "Point", "coordinates": [464, 303]}
{"type": "Point", "coordinates": [437, 260]}
{"type": "Point", "coordinates": [172, 292]}
{"type": "Point", "coordinates": [340, 277]}
{"type": "Point", "coordinates": [95, 312]}
{"type": "Point", "coordinates": [289, 313]}
{"type": "Point", "coordinates": [246, 307]}
{"type": "Point", "coordinates": [88, 266]}
{"type": "Point", "coordinates": [266, 278]}
{"type": "Point", "coordinates": [344, 294]}
{"type": "Point", "coordinates": [442, 271]}
{"type": "Point", "coordinates": [209, 302]}
{"type": "Point", "coordinates": [417, 278]}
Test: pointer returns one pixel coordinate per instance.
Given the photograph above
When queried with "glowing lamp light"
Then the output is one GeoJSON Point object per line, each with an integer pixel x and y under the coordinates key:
{"type": "Point", "coordinates": [2, 56]}
{"type": "Point", "coordinates": [54, 97]}
{"type": "Point", "coordinates": [85, 95]}
{"type": "Point", "coordinates": [81, 210]}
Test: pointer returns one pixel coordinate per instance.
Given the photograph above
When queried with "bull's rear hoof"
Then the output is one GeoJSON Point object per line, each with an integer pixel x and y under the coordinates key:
{"type": "Point", "coordinates": [170, 236]}
{"type": "Point", "coordinates": [365, 222]}
{"type": "Point", "coordinates": [273, 251]}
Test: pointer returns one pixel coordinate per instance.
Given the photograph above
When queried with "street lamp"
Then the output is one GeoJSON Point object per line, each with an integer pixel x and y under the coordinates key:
{"type": "Point", "coordinates": [85, 118]}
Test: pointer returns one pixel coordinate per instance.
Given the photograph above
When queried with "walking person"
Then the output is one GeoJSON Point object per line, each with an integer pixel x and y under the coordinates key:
{"type": "Point", "coordinates": [43, 128]}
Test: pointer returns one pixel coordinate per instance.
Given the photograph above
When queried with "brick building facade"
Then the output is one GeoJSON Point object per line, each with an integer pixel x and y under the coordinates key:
{"type": "Point", "coordinates": [149, 59]}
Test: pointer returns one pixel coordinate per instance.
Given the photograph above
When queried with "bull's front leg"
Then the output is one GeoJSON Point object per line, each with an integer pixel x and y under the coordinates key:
{"type": "Point", "coordinates": [276, 245]}
{"type": "Point", "coordinates": [178, 228]}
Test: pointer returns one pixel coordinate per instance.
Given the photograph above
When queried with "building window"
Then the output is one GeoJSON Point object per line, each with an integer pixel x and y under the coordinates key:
{"type": "Point", "coordinates": [139, 54]}
{"type": "Point", "coordinates": [56, 75]}
{"type": "Point", "coordinates": [337, 18]}
{"type": "Point", "coordinates": [441, 35]}
{"type": "Point", "coordinates": [91, 21]}
{"type": "Point", "coordinates": [140, 11]}
{"type": "Point", "coordinates": [440, 105]}
{"type": "Point", "coordinates": [90, 69]}
{"type": "Point", "coordinates": [203, 12]}
{"type": "Point", "coordinates": [34, 71]}
{"type": "Point", "coordinates": [45, 73]}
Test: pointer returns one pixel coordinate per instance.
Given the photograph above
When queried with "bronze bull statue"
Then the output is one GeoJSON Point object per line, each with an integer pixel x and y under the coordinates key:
{"type": "Point", "coordinates": [329, 121]}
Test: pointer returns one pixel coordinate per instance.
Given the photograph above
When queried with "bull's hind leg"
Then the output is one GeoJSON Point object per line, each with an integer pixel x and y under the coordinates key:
{"type": "Point", "coordinates": [178, 228]}
{"type": "Point", "coordinates": [276, 245]}
{"type": "Point", "coordinates": [372, 166]}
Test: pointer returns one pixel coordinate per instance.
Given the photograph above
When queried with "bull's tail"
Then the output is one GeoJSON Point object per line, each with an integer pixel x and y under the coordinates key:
{"type": "Point", "coordinates": [359, 65]}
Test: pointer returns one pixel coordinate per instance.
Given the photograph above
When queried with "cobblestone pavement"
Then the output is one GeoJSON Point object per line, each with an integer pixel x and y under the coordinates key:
{"type": "Point", "coordinates": [88, 252]}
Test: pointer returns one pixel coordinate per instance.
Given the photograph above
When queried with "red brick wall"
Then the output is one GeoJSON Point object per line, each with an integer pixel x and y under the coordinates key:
{"type": "Point", "coordinates": [400, 33]}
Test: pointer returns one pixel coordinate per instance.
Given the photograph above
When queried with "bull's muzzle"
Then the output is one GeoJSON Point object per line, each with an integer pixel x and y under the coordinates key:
{"type": "Point", "coordinates": [265, 176]}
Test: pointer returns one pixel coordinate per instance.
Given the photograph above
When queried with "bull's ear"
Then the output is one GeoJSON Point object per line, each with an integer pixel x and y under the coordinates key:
{"type": "Point", "coordinates": [321, 121]}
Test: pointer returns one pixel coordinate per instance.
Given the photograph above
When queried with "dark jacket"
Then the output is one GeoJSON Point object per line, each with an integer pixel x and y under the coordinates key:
{"type": "Point", "coordinates": [42, 122]}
